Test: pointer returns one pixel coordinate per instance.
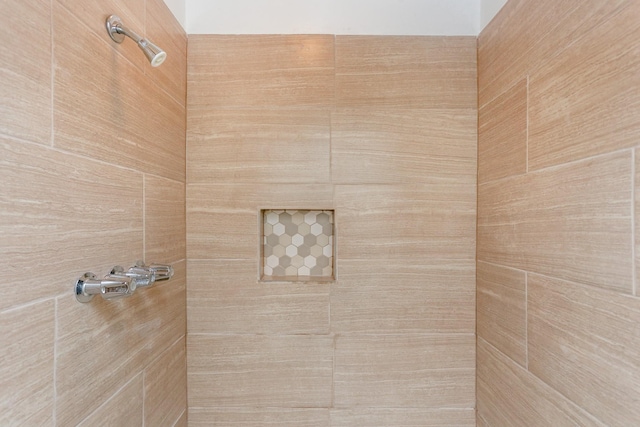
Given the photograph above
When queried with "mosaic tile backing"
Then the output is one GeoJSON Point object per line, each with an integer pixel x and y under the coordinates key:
{"type": "Point", "coordinates": [298, 243]}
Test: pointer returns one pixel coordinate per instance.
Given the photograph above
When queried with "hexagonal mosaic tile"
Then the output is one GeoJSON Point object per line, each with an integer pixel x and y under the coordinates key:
{"type": "Point", "coordinates": [298, 243]}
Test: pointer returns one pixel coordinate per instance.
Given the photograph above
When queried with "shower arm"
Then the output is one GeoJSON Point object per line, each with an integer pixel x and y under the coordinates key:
{"type": "Point", "coordinates": [117, 31]}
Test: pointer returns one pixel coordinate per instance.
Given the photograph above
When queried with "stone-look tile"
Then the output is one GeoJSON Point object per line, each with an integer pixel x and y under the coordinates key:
{"type": "Point", "coordinates": [164, 30]}
{"type": "Point", "coordinates": [165, 387]}
{"type": "Point", "coordinates": [260, 371]}
{"type": "Point", "coordinates": [391, 146]}
{"type": "Point", "coordinates": [405, 417]}
{"type": "Point", "coordinates": [236, 146]}
{"type": "Point", "coordinates": [26, 371]}
{"type": "Point", "coordinates": [571, 222]}
{"type": "Point", "coordinates": [25, 111]}
{"type": "Point", "coordinates": [165, 223]}
{"type": "Point", "coordinates": [259, 417]}
{"type": "Point", "coordinates": [406, 72]}
{"type": "Point", "coordinates": [114, 341]}
{"type": "Point", "coordinates": [124, 409]}
{"type": "Point", "coordinates": [124, 118]}
{"type": "Point", "coordinates": [527, 34]}
{"type": "Point", "coordinates": [502, 309]}
{"type": "Point", "coordinates": [585, 343]}
{"type": "Point", "coordinates": [278, 71]}
{"type": "Point", "coordinates": [224, 296]}
{"type": "Point", "coordinates": [502, 135]}
{"type": "Point", "coordinates": [585, 101]}
{"type": "Point", "coordinates": [92, 14]}
{"type": "Point", "coordinates": [508, 395]}
{"type": "Point", "coordinates": [409, 222]}
{"type": "Point", "coordinates": [68, 214]}
{"type": "Point", "coordinates": [376, 296]}
{"type": "Point", "coordinates": [424, 371]}
{"type": "Point", "coordinates": [225, 221]}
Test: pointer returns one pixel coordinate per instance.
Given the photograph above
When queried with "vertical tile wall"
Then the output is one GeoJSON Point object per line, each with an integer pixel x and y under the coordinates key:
{"type": "Point", "coordinates": [92, 174]}
{"type": "Point", "coordinates": [383, 131]}
{"type": "Point", "coordinates": [558, 308]}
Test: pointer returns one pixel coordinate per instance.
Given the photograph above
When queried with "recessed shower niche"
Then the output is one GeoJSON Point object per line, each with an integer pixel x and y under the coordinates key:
{"type": "Point", "coordinates": [297, 245]}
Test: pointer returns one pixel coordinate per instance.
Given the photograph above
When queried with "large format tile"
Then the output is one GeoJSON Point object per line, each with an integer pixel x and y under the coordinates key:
{"type": "Point", "coordinates": [65, 213]}
{"type": "Point", "coordinates": [405, 417]}
{"type": "Point", "coordinates": [502, 309]}
{"type": "Point", "coordinates": [259, 417]}
{"type": "Point", "coordinates": [277, 71]}
{"type": "Point", "coordinates": [226, 297]}
{"type": "Point", "coordinates": [406, 222]}
{"type": "Point", "coordinates": [378, 296]}
{"type": "Point", "coordinates": [164, 221]}
{"type": "Point", "coordinates": [113, 341]}
{"type": "Point", "coordinates": [572, 222]}
{"type": "Point", "coordinates": [508, 395]}
{"type": "Point", "coordinates": [260, 371]}
{"type": "Point", "coordinates": [423, 371]}
{"type": "Point", "coordinates": [224, 221]}
{"type": "Point", "coordinates": [259, 146]}
{"type": "Point", "coordinates": [165, 387]}
{"type": "Point", "coordinates": [502, 134]}
{"type": "Point", "coordinates": [124, 409]}
{"type": "Point", "coordinates": [25, 70]}
{"type": "Point", "coordinates": [389, 146]}
{"type": "Point", "coordinates": [585, 343]}
{"type": "Point", "coordinates": [406, 72]}
{"type": "Point", "coordinates": [26, 371]}
{"type": "Point", "coordinates": [586, 100]}
{"type": "Point", "coordinates": [125, 118]}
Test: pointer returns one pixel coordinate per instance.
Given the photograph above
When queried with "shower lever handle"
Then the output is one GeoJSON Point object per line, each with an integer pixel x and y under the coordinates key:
{"type": "Point", "coordinates": [110, 287]}
{"type": "Point", "coordinates": [161, 271]}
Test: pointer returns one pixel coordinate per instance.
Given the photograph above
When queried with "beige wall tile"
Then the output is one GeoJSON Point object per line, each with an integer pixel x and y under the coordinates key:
{"type": "Point", "coordinates": [261, 71]}
{"type": "Point", "coordinates": [529, 33]}
{"type": "Point", "coordinates": [165, 222]}
{"type": "Point", "coordinates": [165, 387]}
{"type": "Point", "coordinates": [125, 408]}
{"type": "Point", "coordinates": [26, 371]}
{"type": "Point", "coordinates": [502, 135]}
{"type": "Point", "coordinates": [425, 371]}
{"type": "Point", "coordinates": [405, 417]}
{"type": "Point", "coordinates": [126, 120]}
{"type": "Point", "coordinates": [225, 297]}
{"type": "Point", "coordinates": [65, 214]}
{"type": "Point", "coordinates": [390, 146]}
{"type": "Point", "coordinates": [570, 222]}
{"type": "Point", "coordinates": [508, 395]}
{"type": "Point", "coordinates": [224, 220]}
{"type": "Point", "coordinates": [259, 146]}
{"type": "Point", "coordinates": [407, 222]}
{"type": "Point", "coordinates": [114, 341]}
{"type": "Point", "coordinates": [585, 101]}
{"type": "Point", "coordinates": [502, 309]}
{"type": "Point", "coordinates": [163, 29]}
{"type": "Point", "coordinates": [182, 421]}
{"type": "Point", "coordinates": [584, 342]}
{"type": "Point", "coordinates": [480, 422]}
{"type": "Point", "coordinates": [406, 72]}
{"type": "Point", "coordinates": [259, 417]}
{"type": "Point", "coordinates": [25, 72]}
{"type": "Point", "coordinates": [260, 371]}
{"type": "Point", "coordinates": [396, 297]}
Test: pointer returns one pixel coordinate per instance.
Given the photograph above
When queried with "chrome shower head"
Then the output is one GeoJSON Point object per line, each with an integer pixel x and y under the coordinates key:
{"type": "Point", "coordinates": [117, 31]}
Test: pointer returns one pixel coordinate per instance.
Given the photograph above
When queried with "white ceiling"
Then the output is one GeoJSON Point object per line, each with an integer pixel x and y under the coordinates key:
{"type": "Point", "coordinates": [379, 17]}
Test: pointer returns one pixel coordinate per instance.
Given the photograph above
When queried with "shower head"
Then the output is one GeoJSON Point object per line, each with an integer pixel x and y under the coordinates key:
{"type": "Point", "coordinates": [117, 31]}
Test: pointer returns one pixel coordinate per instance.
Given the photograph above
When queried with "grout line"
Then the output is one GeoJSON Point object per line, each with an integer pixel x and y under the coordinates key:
{"type": "Point", "coordinates": [55, 362]}
{"type": "Point", "coordinates": [144, 397]}
{"type": "Point", "coordinates": [526, 141]}
{"type": "Point", "coordinates": [175, 423]}
{"type": "Point", "coordinates": [53, 73]}
{"type": "Point", "coordinates": [526, 321]}
{"type": "Point", "coordinates": [144, 217]}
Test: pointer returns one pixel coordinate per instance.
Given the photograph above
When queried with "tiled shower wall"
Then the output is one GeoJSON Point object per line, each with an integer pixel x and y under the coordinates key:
{"type": "Point", "coordinates": [558, 210]}
{"type": "Point", "coordinates": [382, 130]}
{"type": "Point", "coordinates": [92, 172]}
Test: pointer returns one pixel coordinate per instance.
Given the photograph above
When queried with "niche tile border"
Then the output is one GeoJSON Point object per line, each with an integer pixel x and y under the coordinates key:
{"type": "Point", "coordinates": [297, 245]}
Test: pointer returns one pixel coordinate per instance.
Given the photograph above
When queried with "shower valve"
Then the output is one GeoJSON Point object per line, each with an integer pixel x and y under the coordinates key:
{"type": "Point", "coordinates": [109, 287]}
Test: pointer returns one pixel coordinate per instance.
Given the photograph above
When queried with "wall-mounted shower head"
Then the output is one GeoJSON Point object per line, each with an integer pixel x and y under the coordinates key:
{"type": "Point", "coordinates": [117, 31]}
